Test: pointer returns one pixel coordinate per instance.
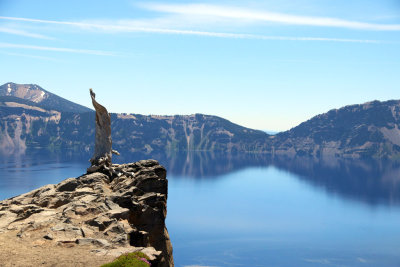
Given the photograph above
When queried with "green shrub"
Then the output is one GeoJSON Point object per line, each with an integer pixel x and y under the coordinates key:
{"type": "Point", "coordinates": [134, 259]}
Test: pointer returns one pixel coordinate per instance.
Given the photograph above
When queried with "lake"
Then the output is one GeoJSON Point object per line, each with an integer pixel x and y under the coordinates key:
{"type": "Point", "coordinates": [252, 210]}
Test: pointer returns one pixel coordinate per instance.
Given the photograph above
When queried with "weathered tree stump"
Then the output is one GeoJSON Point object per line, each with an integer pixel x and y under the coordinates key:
{"type": "Point", "coordinates": [103, 142]}
{"type": "Point", "coordinates": [102, 157]}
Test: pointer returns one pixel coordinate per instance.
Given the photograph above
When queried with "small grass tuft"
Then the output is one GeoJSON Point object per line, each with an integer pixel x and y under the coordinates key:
{"type": "Point", "coordinates": [134, 259]}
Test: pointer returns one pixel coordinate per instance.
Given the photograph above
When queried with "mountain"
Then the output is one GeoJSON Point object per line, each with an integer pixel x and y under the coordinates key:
{"type": "Point", "coordinates": [30, 120]}
{"type": "Point", "coordinates": [38, 95]}
{"type": "Point", "coordinates": [28, 124]}
{"type": "Point", "coordinates": [190, 132]}
{"type": "Point", "coordinates": [366, 130]}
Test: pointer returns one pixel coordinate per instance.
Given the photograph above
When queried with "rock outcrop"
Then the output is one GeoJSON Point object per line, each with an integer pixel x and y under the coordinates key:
{"type": "Point", "coordinates": [108, 215]}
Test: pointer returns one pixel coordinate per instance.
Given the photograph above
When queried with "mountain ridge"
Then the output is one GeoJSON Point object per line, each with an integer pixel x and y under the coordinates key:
{"type": "Point", "coordinates": [371, 129]}
{"type": "Point", "coordinates": [26, 124]}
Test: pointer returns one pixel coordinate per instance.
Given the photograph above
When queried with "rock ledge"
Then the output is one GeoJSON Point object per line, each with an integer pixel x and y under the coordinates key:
{"type": "Point", "coordinates": [108, 215]}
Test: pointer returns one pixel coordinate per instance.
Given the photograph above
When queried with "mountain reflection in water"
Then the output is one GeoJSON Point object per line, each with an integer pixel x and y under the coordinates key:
{"type": "Point", "coordinates": [369, 180]}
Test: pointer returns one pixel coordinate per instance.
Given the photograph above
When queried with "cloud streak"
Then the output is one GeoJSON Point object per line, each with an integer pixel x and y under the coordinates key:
{"type": "Point", "coordinates": [129, 26]}
{"type": "Point", "coordinates": [235, 13]}
{"type": "Point", "coordinates": [57, 49]}
{"type": "Point", "coordinates": [23, 33]}
{"type": "Point", "coordinates": [30, 56]}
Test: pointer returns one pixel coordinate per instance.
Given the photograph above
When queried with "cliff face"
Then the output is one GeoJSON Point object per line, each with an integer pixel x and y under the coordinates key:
{"type": "Point", "coordinates": [184, 133]}
{"type": "Point", "coordinates": [367, 130]}
{"type": "Point", "coordinates": [106, 216]}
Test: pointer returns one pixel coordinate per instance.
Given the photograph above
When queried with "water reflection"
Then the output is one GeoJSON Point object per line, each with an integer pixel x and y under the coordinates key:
{"type": "Point", "coordinates": [370, 181]}
{"type": "Point", "coordinates": [203, 165]}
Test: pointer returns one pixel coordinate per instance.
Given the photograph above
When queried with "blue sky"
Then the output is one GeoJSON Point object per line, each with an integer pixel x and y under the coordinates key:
{"type": "Point", "coordinates": [262, 64]}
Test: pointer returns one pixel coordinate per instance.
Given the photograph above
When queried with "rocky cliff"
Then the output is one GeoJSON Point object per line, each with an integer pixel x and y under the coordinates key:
{"type": "Point", "coordinates": [367, 130]}
{"type": "Point", "coordinates": [98, 214]}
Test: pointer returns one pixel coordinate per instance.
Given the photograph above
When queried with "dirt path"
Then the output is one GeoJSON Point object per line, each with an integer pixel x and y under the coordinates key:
{"type": "Point", "coordinates": [36, 251]}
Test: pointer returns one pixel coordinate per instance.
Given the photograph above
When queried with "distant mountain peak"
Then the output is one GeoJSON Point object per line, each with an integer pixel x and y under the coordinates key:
{"type": "Point", "coordinates": [31, 92]}
{"type": "Point", "coordinates": [36, 94]}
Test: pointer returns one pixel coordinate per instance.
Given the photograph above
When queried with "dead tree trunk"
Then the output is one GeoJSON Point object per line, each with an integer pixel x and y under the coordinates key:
{"type": "Point", "coordinates": [101, 159]}
{"type": "Point", "coordinates": [103, 144]}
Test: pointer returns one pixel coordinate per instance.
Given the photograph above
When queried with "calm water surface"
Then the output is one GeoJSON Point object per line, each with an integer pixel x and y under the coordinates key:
{"type": "Point", "coordinates": [249, 210]}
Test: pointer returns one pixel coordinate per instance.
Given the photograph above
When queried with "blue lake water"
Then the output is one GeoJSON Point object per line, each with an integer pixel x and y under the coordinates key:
{"type": "Point", "coordinates": [251, 210]}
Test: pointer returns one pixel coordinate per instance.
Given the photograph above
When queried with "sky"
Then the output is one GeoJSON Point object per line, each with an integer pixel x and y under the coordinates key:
{"type": "Point", "coordinates": [266, 65]}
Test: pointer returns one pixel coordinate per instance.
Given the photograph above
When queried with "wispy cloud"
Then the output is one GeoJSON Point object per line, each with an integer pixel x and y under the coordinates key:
{"type": "Point", "coordinates": [130, 26]}
{"type": "Point", "coordinates": [30, 56]}
{"type": "Point", "coordinates": [23, 33]}
{"type": "Point", "coordinates": [57, 49]}
{"type": "Point", "coordinates": [236, 13]}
